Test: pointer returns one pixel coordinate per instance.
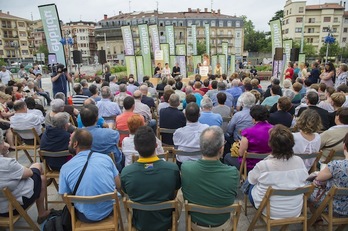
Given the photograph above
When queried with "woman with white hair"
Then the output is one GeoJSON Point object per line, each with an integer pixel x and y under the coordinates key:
{"type": "Point", "coordinates": [342, 75]}
{"type": "Point", "coordinates": [287, 91]}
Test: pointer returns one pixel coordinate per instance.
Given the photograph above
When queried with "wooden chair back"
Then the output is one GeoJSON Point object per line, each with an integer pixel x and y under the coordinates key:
{"type": "Point", "coordinates": [329, 216]}
{"type": "Point", "coordinates": [110, 223]}
{"type": "Point", "coordinates": [233, 209]}
{"type": "Point", "coordinates": [266, 205]}
{"type": "Point", "coordinates": [160, 155]}
{"type": "Point", "coordinates": [226, 119]}
{"type": "Point", "coordinates": [243, 166]}
{"type": "Point", "coordinates": [130, 205]}
{"type": "Point", "coordinates": [316, 156]}
{"type": "Point", "coordinates": [20, 145]}
{"type": "Point", "coordinates": [12, 219]}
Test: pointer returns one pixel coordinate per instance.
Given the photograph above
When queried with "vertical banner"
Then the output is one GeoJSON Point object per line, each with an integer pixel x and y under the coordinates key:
{"type": "Point", "coordinates": [155, 39]}
{"type": "Point", "coordinates": [223, 63]}
{"type": "Point", "coordinates": [127, 40]}
{"type": "Point", "coordinates": [51, 26]}
{"type": "Point", "coordinates": [276, 35]}
{"type": "Point", "coordinates": [172, 62]}
{"type": "Point", "coordinates": [170, 39]}
{"type": "Point", "coordinates": [194, 39]}
{"type": "Point", "coordinates": [180, 49]}
{"type": "Point", "coordinates": [145, 48]}
{"type": "Point", "coordinates": [287, 44]}
{"type": "Point", "coordinates": [302, 58]}
{"type": "Point", "coordinates": [213, 62]}
{"type": "Point", "coordinates": [207, 38]}
{"type": "Point", "coordinates": [131, 66]}
{"type": "Point", "coordinates": [182, 64]}
{"type": "Point", "coordinates": [140, 68]}
{"type": "Point", "coordinates": [165, 49]}
{"type": "Point", "coordinates": [225, 52]}
{"type": "Point", "coordinates": [233, 64]}
{"type": "Point", "coordinates": [196, 59]}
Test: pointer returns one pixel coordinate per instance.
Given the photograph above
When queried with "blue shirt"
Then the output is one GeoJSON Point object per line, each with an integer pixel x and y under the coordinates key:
{"type": "Point", "coordinates": [105, 140]}
{"type": "Point", "coordinates": [100, 122]}
{"type": "Point", "coordinates": [60, 85]}
{"type": "Point", "coordinates": [199, 98]}
{"type": "Point", "coordinates": [210, 118]}
{"type": "Point", "coordinates": [99, 178]}
{"type": "Point", "coordinates": [108, 108]}
{"type": "Point", "coordinates": [229, 99]}
{"type": "Point", "coordinates": [239, 122]}
{"type": "Point", "coordinates": [271, 100]}
{"type": "Point", "coordinates": [235, 92]}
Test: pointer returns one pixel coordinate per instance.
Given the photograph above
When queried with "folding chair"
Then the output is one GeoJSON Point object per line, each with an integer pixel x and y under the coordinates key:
{"type": "Point", "coordinates": [243, 171]}
{"type": "Point", "coordinates": [316, 156]}
{"type": "Point", "coordinates": [110, 118]}
{"type": "Point", "coordinates": [12, 219]}
{"type": "Point", "coordinates": [329, 157]}
{"type": "Point", "coordinates": [226, 119]}
{"type": "Point", "coordinates": [166, 147]}
{"type": "Point", "coordinates": [183, 153]}
{"type": "Point", "coordinates": [329, 217]}
{"type": "Point", "coordinates": [233, 209]}
{"type": "Point", "coordinates": [265, 204]}
{"type": "Point", "coordinates": [20, 144]}
{"type": "Point", "coordinates": [130, 205]}
{"type": "Point", "coordinates": [49, 173]}
{"type": "Point", "coordinates": [161, 156]}
{"type": "Point", "coordinates": [110, 223]}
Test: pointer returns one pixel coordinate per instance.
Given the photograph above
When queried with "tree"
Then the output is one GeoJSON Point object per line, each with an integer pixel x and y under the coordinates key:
{"type": "Point", "coordinates": [42, 49]}
{"type": "Point", "coordinates": [255, 41]}
{"type": "Point", "coordinates": [201, 48]}
{"type": "Point", "coordinates": [277, 15]}
{"type": "Point", "coordinates": [308, 48]}
{"type": "Point", "coordinates": [334, 50]}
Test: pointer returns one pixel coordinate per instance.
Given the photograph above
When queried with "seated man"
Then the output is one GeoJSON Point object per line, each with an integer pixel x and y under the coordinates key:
{"type": "Point", "coordinates": [95, 181]}
{"type": "Point", "coordinates": [208, 182]}
{"type": "Point", "coordinates": [22, 120]}
{"type": "Point", "coordinates": [78, 98]}
{"type": "Point", "coordinates": [56, 138]}
{"type": "Point", "coordinates": [106, 107]}
{"type": "Point", "coordinates": [187, 138]}
{"type": "Point", "coordinates": [273, 99]}
{"type": "Point", "coordinates": [101, 122]}
{"type": "Point", "coordinates": [207, 116]}
{"type": "Point", "coordinates": [57, 105]}
{"type": "Point", "coordinates": [150, 180]}
{"type": "Point", "coordinates": [27, 185]}
{"type": "Point", "coordinates": [105, 140]}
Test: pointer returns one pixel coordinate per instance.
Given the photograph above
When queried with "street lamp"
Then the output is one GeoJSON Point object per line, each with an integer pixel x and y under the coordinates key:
{"type": "Point", "coordinates": [68, 41]}
{"type": "Point", "coordinates": [329, 39]}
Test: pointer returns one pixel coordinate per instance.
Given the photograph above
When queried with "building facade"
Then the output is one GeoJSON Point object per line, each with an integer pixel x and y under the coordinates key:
{"type": "Point", "coordinates": [16, 42]}
{"type": "Point", "coordinates": [313, 22]}
{"type": "Point", "coordinates": [223, 28]}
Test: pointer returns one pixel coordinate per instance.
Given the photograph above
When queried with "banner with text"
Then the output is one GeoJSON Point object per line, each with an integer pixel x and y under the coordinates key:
{"type": "Point", "coordinates": [196, 59]}
{"type": "Point", "coordinates": [50, 22]}
{"type": "Point", "coordinates": [207, 38]}
{"type": "Point", "coordinates": [180, 49]}
{"type": "Point", "coordinates": [223, 63]}
{"type": "Point", "coordinates": [172, 62]}
{"type": "Point", "coordinates": [127, 40]}
{"type": "Point", "coordinates": [287, 44]}
{"type": "Point", "coordinates": [194, 39]}
{"type": "Point", "coordinates": [276, 35]}
{"type": "Point", "coordinates": [165, 49]}
{"type": "Point", "coordinates": [225, 52]}
{"type": "Point", "coordinates": [302, 58]}
{"type": "Point", "coordinates": [213, 62]}
{"type": "Point", "coordinates": [182, 64]}
{"type": "Point", "coordinates": [145, 48]}
{"type": "Point", "coordinates": [233, 64]}
{"type": "Point", "coordinates": [170, 39]}
{"type": "Point", "coordinates": [155, 39]}
{"type": "Point", "coordinates": [140, 68]}
{"type": "Point", "coordinates": [131, 66]}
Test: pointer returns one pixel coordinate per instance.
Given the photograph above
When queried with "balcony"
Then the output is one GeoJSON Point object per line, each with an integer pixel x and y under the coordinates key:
{"type": "Point", "coordinates": [6, 26]}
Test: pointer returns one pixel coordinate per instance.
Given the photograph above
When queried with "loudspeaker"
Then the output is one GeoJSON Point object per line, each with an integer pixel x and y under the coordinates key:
{"type": "Point", "coordinates": [77, 57]}
{"type": "Point", "coordinates": [101, 56]}
{"type": "Point", "coordinates": [278, 53]}
{"type": "Point", "coordinates": [294, 54]}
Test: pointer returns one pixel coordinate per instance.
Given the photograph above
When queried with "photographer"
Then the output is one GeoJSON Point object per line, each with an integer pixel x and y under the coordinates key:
{"type": "Point", "coordinates": [60, 79]}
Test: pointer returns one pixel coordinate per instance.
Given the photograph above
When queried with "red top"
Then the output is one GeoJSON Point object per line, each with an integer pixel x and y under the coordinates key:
{"type": "Point", "coordinates": [291, 71]}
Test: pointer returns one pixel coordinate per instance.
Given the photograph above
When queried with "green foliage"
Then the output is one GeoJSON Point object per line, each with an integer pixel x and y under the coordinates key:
{"type": "Point", "coordinates": [43, 49]}
{"type": "Point", "coordinates": [277, 15]}
{"type": "Point", "coordinates": [255, 41]}
{"type": "Point", "coordinates": [201, 49]}
{"type": "Point", "coordinates": [117, 69]}
{"type": "Point", "coordinates": [2, 62]}
{"type": "Point", "coordinates": [308, 48]}
{"type": "Point", "coordinates": [334, 50]}
{"type": "Point", "coordinates": [263, 68]}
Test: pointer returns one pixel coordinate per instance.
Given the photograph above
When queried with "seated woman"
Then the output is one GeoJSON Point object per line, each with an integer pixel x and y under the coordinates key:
{"type": "Point", "coordinates": [254, 139]}
{"type": "Point", "coordinates": [128, 149]}
{"type": "Point", "coordinates": [334, 174]}
{"type": "Point", "coordinates": [307, 139]}
{"type": "Point", "coordinates": [281, 170]}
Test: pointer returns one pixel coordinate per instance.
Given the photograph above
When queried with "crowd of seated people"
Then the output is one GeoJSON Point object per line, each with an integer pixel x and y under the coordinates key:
{"type": "Point", "coordinates": [315, 118]}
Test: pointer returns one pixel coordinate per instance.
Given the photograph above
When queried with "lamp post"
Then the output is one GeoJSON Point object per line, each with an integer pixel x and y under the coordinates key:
{"type": "Point", "coordinates": [68, 41]}
{"type": "Point", "coordinates": [329, 39]}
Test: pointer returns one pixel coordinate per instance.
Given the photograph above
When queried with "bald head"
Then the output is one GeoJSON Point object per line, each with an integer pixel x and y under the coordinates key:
{"type": "Point", "coordinates": [89, 101]}
{"type": "Point", "coordinates": [137, 94]}
{"type": "Point", "coordinates": [144, 89]}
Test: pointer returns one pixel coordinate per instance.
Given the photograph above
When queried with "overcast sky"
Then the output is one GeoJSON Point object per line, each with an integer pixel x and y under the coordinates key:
{"type": "Point", "coordinates": [258, 11]}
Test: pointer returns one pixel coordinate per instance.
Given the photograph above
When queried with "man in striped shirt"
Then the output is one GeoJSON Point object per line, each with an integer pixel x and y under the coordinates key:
{"type": "Point", "coordinates": [78, 98]}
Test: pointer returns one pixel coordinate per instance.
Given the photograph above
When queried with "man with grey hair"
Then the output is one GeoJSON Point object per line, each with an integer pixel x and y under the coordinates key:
{"type": "Point", "coordinates": [73, 112]}
{"type": "Point", "coordinates": [79, 97]}
{"type": "Point", "coordinates": [113, 85]}
{"type": "Point", "coordinates": [207, 116]}
{"type": "Point", "coordinates": [171, 118]}
{"type": "Point", "coordinates": [145, 99]}
{"type": "Point", "coordinates": [5, 75]}
{"type": "Point", "coordinates": [198, 177]}
{"type": "Point", "coordinates": [56, 138]}
{"type": "Point", "coordinates": [107, 108]}
{"type": "Point", "coordinates": [57, 106]}
{"type": "Point", "coordinates": [221, 86]}
{"type": "Point", "coordinates": [85, 89]}
{"type": "Point", "coordinates": [119, 97]}
{"type": "Point", "coordinates": [144, 110]}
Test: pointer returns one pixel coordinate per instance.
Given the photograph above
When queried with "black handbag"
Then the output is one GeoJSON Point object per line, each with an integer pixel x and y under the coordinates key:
{"type": "Point", "coordinates": [66, 216]}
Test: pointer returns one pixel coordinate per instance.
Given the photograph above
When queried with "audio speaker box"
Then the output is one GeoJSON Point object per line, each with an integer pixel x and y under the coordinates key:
{"type": "Point", "coordinates": [77, 57]}
{"type": "Point", "coordinates": [294, 54]}
{"type": "Point", "coordinates": [278, 53]}
{"type": "Point", "coordinates": [101, 57]}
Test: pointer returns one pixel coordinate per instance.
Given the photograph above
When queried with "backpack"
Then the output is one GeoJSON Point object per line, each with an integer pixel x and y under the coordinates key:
{"type": "Point", "coordinates": [53, 222]}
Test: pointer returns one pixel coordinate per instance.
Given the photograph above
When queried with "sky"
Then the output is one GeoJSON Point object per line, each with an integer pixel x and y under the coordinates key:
{"type": "Point", "coordinates": [259, 12]}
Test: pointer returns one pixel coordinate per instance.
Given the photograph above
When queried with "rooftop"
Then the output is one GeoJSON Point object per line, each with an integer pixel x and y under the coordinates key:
{"type": "Point", "coordinates": [8, 16]}
{"type": "Point", "coordinates": [335, 6]}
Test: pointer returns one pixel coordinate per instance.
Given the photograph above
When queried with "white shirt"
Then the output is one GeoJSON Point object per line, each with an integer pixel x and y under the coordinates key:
{"type": "Point", "coordinates": [5, 76]}
{"type": "Point", "coordinates": [128, 148]}
{"type": "Point", "coordinates": [280, 174]}
{"type": "Point", "coordinates": [35, 112]}
{"type": "Point", "coordinates": [304, 146]}
{"type": "Point", "coordinates": [142, 109]}
{"type": "Point", "coordinates": [24, 121]}
{"type": "Point", "coordinates": [345, 103]}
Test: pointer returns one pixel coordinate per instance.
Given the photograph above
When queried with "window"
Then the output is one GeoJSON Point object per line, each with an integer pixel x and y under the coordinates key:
{"type": "Point", "coordinates": [309, 40]}
{"type": "Point", "coordinates": [286, 31]}
{"type": "Point", "coordinates": [161, 23]}
{"type": "Point", "coordinates": [325, 29]}
{"type": "Point", "coordinates": [161, 33]}
{"type": "Point", "coordinates": [221, 23]}
{"type": "Point", "coordinates": [299, 19]}
{"type": "Point", "coordinates": [345, 30]}
{"type": "Point", "coordinates": [212, 23]}
{"type": "Point", "coordinates": [189, 23]}
{"type": "Point", "coordinates": [310, 30]}
{"type": "Point", "coordinates": [237, 23]}
{"type": "Point", "coordinates": [335, 19]}
{"type": "Point", "coordinates": [198, 23]}
{"type": "Point", "coordinates": [287, 21]}
{"type": "Point", "coordinates": [287, 12]}
{"type": "Point", "coordinates": [167, 23]}
{"type": "Point", "coordinates": [311, 20]}
{"type": "Point", "coordinates": [301, 9]}
{"type": "Point", "coordinates": [346, 20]}
{"type": "Point", "coordinates": [290, 11]}
{"type": "Point", "coordinates": [327, 19]}
{"type": "Point", "coordinates": [298, 30]}
{"type": "Point", "coordinates": [181, 23]}
{"type": "Point", "coordinates": [334, 30]}
{"type": "Point", "coordinates": [229, 23]}
{"type": "Point", "coordinates": [174, 23]}
{"type": "Point", "coordinates": [344, 39]}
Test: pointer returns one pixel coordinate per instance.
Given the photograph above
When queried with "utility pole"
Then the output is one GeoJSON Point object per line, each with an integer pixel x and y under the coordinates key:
{"type": "Point", "coordinates": [129, 5]}
{"type": "Point", "coordinates": [211, 5]}
{"type": "Point", "coordinates": [157, 5]}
